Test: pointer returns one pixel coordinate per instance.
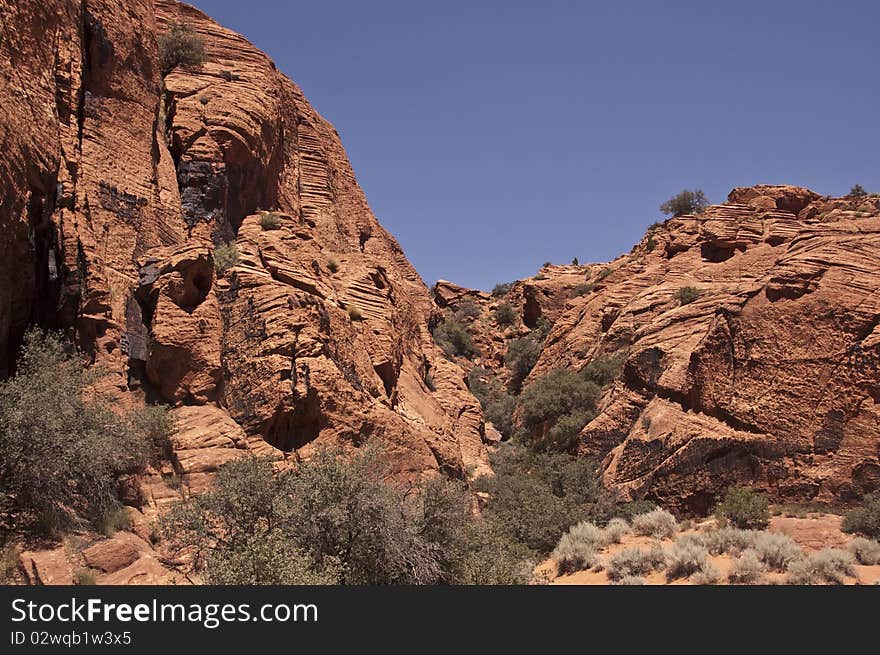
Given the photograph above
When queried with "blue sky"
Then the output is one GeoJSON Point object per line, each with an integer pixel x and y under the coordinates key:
{"type": "Point", "coordinates": [493, 136]}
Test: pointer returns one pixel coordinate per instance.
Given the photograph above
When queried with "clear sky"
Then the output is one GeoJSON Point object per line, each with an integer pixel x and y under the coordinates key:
{"type": "Point", "coordinates": [491, 136]}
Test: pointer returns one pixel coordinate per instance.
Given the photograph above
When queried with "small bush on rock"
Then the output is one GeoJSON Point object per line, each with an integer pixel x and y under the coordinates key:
{"type": "Point", "coordinates": [270, 221]}
{"type": "Point", "coordinates": [225, 257]}
{"type": "Point", "coordinates": [687, 295]}
{"type": "Point", "coordinates": [180, 46]}
{"type": "Point", "coordinates": [686, 202]}
{"type": "Point", "coordinates": [505, 314]}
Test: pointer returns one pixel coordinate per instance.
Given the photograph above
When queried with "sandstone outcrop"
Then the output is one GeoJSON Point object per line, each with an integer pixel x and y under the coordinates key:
{"type": "Point", "coordinates": [117, 185]}
{"type": "Point", "coordinates": [769, 377]}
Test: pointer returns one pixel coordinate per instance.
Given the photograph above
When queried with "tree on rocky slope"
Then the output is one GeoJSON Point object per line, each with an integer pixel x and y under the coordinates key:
{"type": "Point", "coordinates": [687, 202]}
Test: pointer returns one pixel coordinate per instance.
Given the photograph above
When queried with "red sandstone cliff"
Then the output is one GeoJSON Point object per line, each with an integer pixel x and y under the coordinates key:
{"type": "Point", "coordinates": [116, 186]}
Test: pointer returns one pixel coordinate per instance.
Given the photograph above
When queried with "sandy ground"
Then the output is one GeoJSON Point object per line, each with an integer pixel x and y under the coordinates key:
{"type": "Point", "coordinates": [813, 532]}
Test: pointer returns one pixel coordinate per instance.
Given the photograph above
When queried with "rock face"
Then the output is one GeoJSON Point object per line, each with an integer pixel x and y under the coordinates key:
{"type": "Point", "coordinates": [769, 377]}
{"type": "Point", "coordinates": [117, 185]}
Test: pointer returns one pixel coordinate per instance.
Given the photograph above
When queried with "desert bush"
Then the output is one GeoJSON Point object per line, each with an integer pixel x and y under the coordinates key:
{"type": "Point", "coordinates": [628, 580]}
{"type": "Point", "coordinates": [535, 497]}
{"type": "Point", "coordinates": [635, 562]}
{"type": "Point", "coordinates": [747, 568]}
{"type": "Point", "coordinates": [828, 566]}
{"type": "Point", "coordinates": [225, 257]}
{"type": "Point", "coordinates": [499, 410]}
{"type": "Point", "coordinates": [502, 289]}
{"type": "Point", "coordinates": [454, 337]}
{"type": "Point", "coordinates": [685, 558]}
{"type": "Point", "coordinates": [866, 551]}
{"type": "Point", "coordinates": [657, 523]}
{"type": "Point", "coordinates": [686, 202]}
{"type": "Point", "coordinates": [706, 575]}
{"type": "Point", "coordinates": [505, 314]}
{"type": "Point", "coordinates": [777, 551]}
{"type": "Point", "coordinates": [562, 400]}
{"type": "Point", "coordinates": [114, 521]}
{"type": "Point", "coordinates": [603, 369]}
{"type": "Point", "coordinates": [857, 191]}
{"type": "Point", "coordinates": [180, 46]}
{"type": "Point", "coordinates": [576, 550]}
{"type": "Point", "coordinates": [521, 356]}
{"type": "Point", "coordinates": [615, 530]}
{"type": "Point", "coordinates": [84, 578]}
{"type": "Point", "coordinates": [728, 539]}
{"type": "Point", "coordinates": [62, 447]}
{"type": "Point", "coordinates": [156, 424]}
{"type": "Point", "coordinates": [744, 508]}
{"type": "Point", "coordinates": [582, 290]}
{"type": "Point", "coordinates": [355, 313]}
{"type": "Point", "coordinates": [270, 220]}
{"type": "Point", "coordinates": [687, 295]}
{"type": "Point", "coordinates": [332, 265]}
{"type": "Point", "coordinates": [331, 520]}
{"type": "Point", "coordinates": [492, 558]}
{"type": "Point", "coordinates": [864, 519]}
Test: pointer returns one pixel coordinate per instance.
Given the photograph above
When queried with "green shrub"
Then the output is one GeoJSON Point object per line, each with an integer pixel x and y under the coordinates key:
{"type": "Point", "coordinates": [635, 562]}
{"type": "Point", "coordinates": [687, 295]}
{"type": "Point", "coordinates": [355, 313]}
{"type": "Point", "coordinates": [744, 508]}
{"type": "Point", "coordinates": [156, 424]}
{"type": "Point", "coordinates": [521, 357]}
{"type": "Point", "coordinates": [62, 447]}
{"type": "Point", "coordinates": [502, 289]}
{"type": "Point", "coordinates": [331, 520]}
{"type": "Point", "coordinates": [857, 191]}
{"type": "Point", "coordinates": [180, 46]}
{"type": "Point", "coordinates": [603, 369]}
{"type": "Point", "coordinates": [686, 202]}
{"type": "Point", "coordinates": [685, 558]}
{"type": "Point", "coordinates": [828, 566]}
{"type": "Point", "coordinates": [454, 337]}
{"type": "Point", "coordinates": [225, 257]}
{"type": "Point", "coordinates": [505, 314]}
{"type": "Point", "coordinates": [864, 519]}
{"type": "Point", "coordinates": [866, 551]}
{"type": "Point", "coordinates": [576, 550]}
{"type": "Point", "coordinates": [657, 523]}
{"type": "Point", "coordinates": [535, 497]}
{"type": "Point", "coordinates": [492, 558]}
{"type": "Point", "coordinates": [332, 265]}
{"type": "Point", "coordinates": [747, 568]}
{"type": "Point", "coordinates": [582, 290]}
{"type": "Point", "coordinates": [556, 406]}
{"type": "Point", "coordinates": [499, 410]}
{"type": "Point", "coordinates": [270, 220]}
{"type": "Point", "coordinates": [777, 551]}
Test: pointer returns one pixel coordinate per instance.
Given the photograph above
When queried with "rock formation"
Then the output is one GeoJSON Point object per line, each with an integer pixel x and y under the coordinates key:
{"type": "Point", "coordinates": [768, 377]}
{"type": "Point", "coordinates": [118, 183]}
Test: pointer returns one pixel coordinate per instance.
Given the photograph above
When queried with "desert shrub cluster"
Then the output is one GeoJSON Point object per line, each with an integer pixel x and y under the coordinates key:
{"type": "Point", "coordinates": [744, 508]}
{"type": "Point", "coordinates": [864, 519]}
{"type": "Point", "coordinates": [336, 520]}
{"type": "Point", "coordinates": [687, 202]}
{"type": "Point", "coordinates": [63, 447]}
